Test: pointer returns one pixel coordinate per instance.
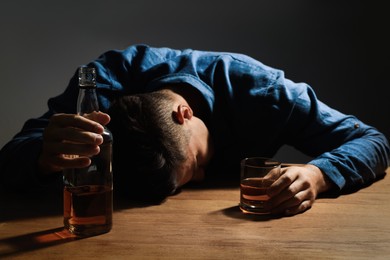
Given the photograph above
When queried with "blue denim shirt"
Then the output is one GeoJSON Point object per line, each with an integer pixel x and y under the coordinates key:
{"type": "Point", "coordinates": [253, 111]}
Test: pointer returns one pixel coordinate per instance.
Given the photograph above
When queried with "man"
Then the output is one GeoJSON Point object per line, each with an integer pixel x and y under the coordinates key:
{"type": "Point", "coordinates": [176, 113]}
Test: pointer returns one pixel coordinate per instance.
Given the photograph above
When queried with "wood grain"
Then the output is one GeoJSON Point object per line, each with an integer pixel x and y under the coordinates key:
{"type": "Point", "coordinates": [204, 223]}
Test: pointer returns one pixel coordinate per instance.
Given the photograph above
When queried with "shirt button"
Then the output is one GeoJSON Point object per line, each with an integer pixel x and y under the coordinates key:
{"type": "Point", "coordinates": [356, 125]}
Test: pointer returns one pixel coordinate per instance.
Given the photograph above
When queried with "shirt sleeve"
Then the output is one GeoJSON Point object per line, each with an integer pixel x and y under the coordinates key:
{"type": "Point", "coordinates": [351, 153]}
{"type": "Point", "coordinates": [18, 160]}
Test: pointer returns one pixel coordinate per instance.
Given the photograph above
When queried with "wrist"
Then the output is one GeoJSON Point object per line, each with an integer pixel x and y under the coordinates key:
{"type": "Point", "coordinates": [323, 183]}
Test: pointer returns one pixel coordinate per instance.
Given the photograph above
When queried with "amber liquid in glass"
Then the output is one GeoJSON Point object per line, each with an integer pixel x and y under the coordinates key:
{"type": "Point", "coordinates": [254, 195]}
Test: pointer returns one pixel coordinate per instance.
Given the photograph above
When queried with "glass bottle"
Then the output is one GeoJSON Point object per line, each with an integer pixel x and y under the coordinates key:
{"type": "Point", "coordinates": [88, 192]}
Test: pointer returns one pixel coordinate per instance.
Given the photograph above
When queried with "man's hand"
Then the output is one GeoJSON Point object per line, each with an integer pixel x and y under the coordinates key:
{"type": "Point", "coordinates": [69, 140]}
{"type": "Point", "coordinates": [296, 189]}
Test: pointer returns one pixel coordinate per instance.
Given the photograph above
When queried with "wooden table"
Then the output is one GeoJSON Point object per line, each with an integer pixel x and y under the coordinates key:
{"type": "Point", "coordinates": [204, 223]}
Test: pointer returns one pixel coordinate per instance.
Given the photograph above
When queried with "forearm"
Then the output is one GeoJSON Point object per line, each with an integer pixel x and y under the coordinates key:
{"type": "Point", "coordinates": [350, 153]}
{"type": "Point", "coordinates": [357, 162]}
{"type": "Point", "coordinates": [18, 166]}
{"type": "Point", "coordinates": [19, 159]}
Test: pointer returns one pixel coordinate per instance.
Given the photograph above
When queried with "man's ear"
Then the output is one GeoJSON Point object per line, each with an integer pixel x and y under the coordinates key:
{"type": "Point", "coordinates": [183, 112]}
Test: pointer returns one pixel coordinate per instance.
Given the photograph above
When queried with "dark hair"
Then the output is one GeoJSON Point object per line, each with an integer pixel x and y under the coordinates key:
{"type": "Point", "coordinates": [148, 145]}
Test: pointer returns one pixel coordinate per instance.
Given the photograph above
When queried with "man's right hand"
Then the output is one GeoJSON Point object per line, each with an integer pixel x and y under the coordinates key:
{"type": "Point", "coordinates": [69, 140]}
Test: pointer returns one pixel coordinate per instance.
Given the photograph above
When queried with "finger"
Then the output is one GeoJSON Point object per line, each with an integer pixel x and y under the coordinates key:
{"type": "Point", "coordinates": [294, 203]}
{"type": "Point", "coordinates": [64, 162]}
{"type": "Point", "coordinates": [100, 117]}
{"type": "Point", "coordinates": [71, 149]}
{"type": "Point", "coordinates": [305, 205]}
{"type": "Point", "coordinates": [299, 186]}
{"type": "Point", "coordinates": [71, 134]}
{"type": "Point", "coordinates": [281, 184]}
{"type": "Point", "coordinates": [76, 121]}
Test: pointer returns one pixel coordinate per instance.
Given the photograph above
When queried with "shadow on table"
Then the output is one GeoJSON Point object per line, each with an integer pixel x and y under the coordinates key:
{"type": "Point", "coordinates": [13, 246]}
{"type": "Point", "coordinates": [16, 206]}
{"type": "Point", "coordinates": [235, 212]}
{"type": "Point", "coordinates": [19, 206]}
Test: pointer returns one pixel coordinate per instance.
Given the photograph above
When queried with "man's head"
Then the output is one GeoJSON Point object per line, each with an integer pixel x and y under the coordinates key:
{"type": "Point", "coordinates": [156, 144]}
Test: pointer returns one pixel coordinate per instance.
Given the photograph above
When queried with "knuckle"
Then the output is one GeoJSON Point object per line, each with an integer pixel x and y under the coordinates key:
{"type": "Point", "coordinates": [290, 192]}
{"type": "Point", "coordinates": [55, 117]}
{"type": "Point", "coordinates": [288, 178]}
{"type": "Point", "coordinates": [296, 199]}
{"type": "Point", "coordinates": [306, 205]}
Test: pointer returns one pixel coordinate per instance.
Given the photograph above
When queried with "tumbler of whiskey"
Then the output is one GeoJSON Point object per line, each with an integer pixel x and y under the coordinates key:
{"type": "Point", "coordinates": [257, 175]}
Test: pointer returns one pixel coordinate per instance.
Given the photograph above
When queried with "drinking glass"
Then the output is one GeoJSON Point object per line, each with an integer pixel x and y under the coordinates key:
{"type": "Point", "coordinates": [257, 175]}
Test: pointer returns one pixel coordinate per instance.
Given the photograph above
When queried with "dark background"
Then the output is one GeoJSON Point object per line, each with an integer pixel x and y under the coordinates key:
{"type": "Point", "coordinates": [337, 47]}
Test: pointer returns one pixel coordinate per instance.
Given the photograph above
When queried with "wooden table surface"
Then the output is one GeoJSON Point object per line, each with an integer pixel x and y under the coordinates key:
{"type": "Point", "coordinates": [204, 223]}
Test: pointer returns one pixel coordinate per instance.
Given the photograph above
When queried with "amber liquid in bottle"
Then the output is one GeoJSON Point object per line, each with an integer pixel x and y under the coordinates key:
{"type": "Point", "coordinates": [88, 205]}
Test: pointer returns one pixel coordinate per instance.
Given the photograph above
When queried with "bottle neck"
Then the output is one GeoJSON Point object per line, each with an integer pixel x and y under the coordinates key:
{"type": "Point", "coordinates": [87, 101]}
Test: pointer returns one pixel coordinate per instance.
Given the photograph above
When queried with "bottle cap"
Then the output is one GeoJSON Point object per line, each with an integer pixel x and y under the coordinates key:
{"type": "Point", "coordinates": [87, 77]}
